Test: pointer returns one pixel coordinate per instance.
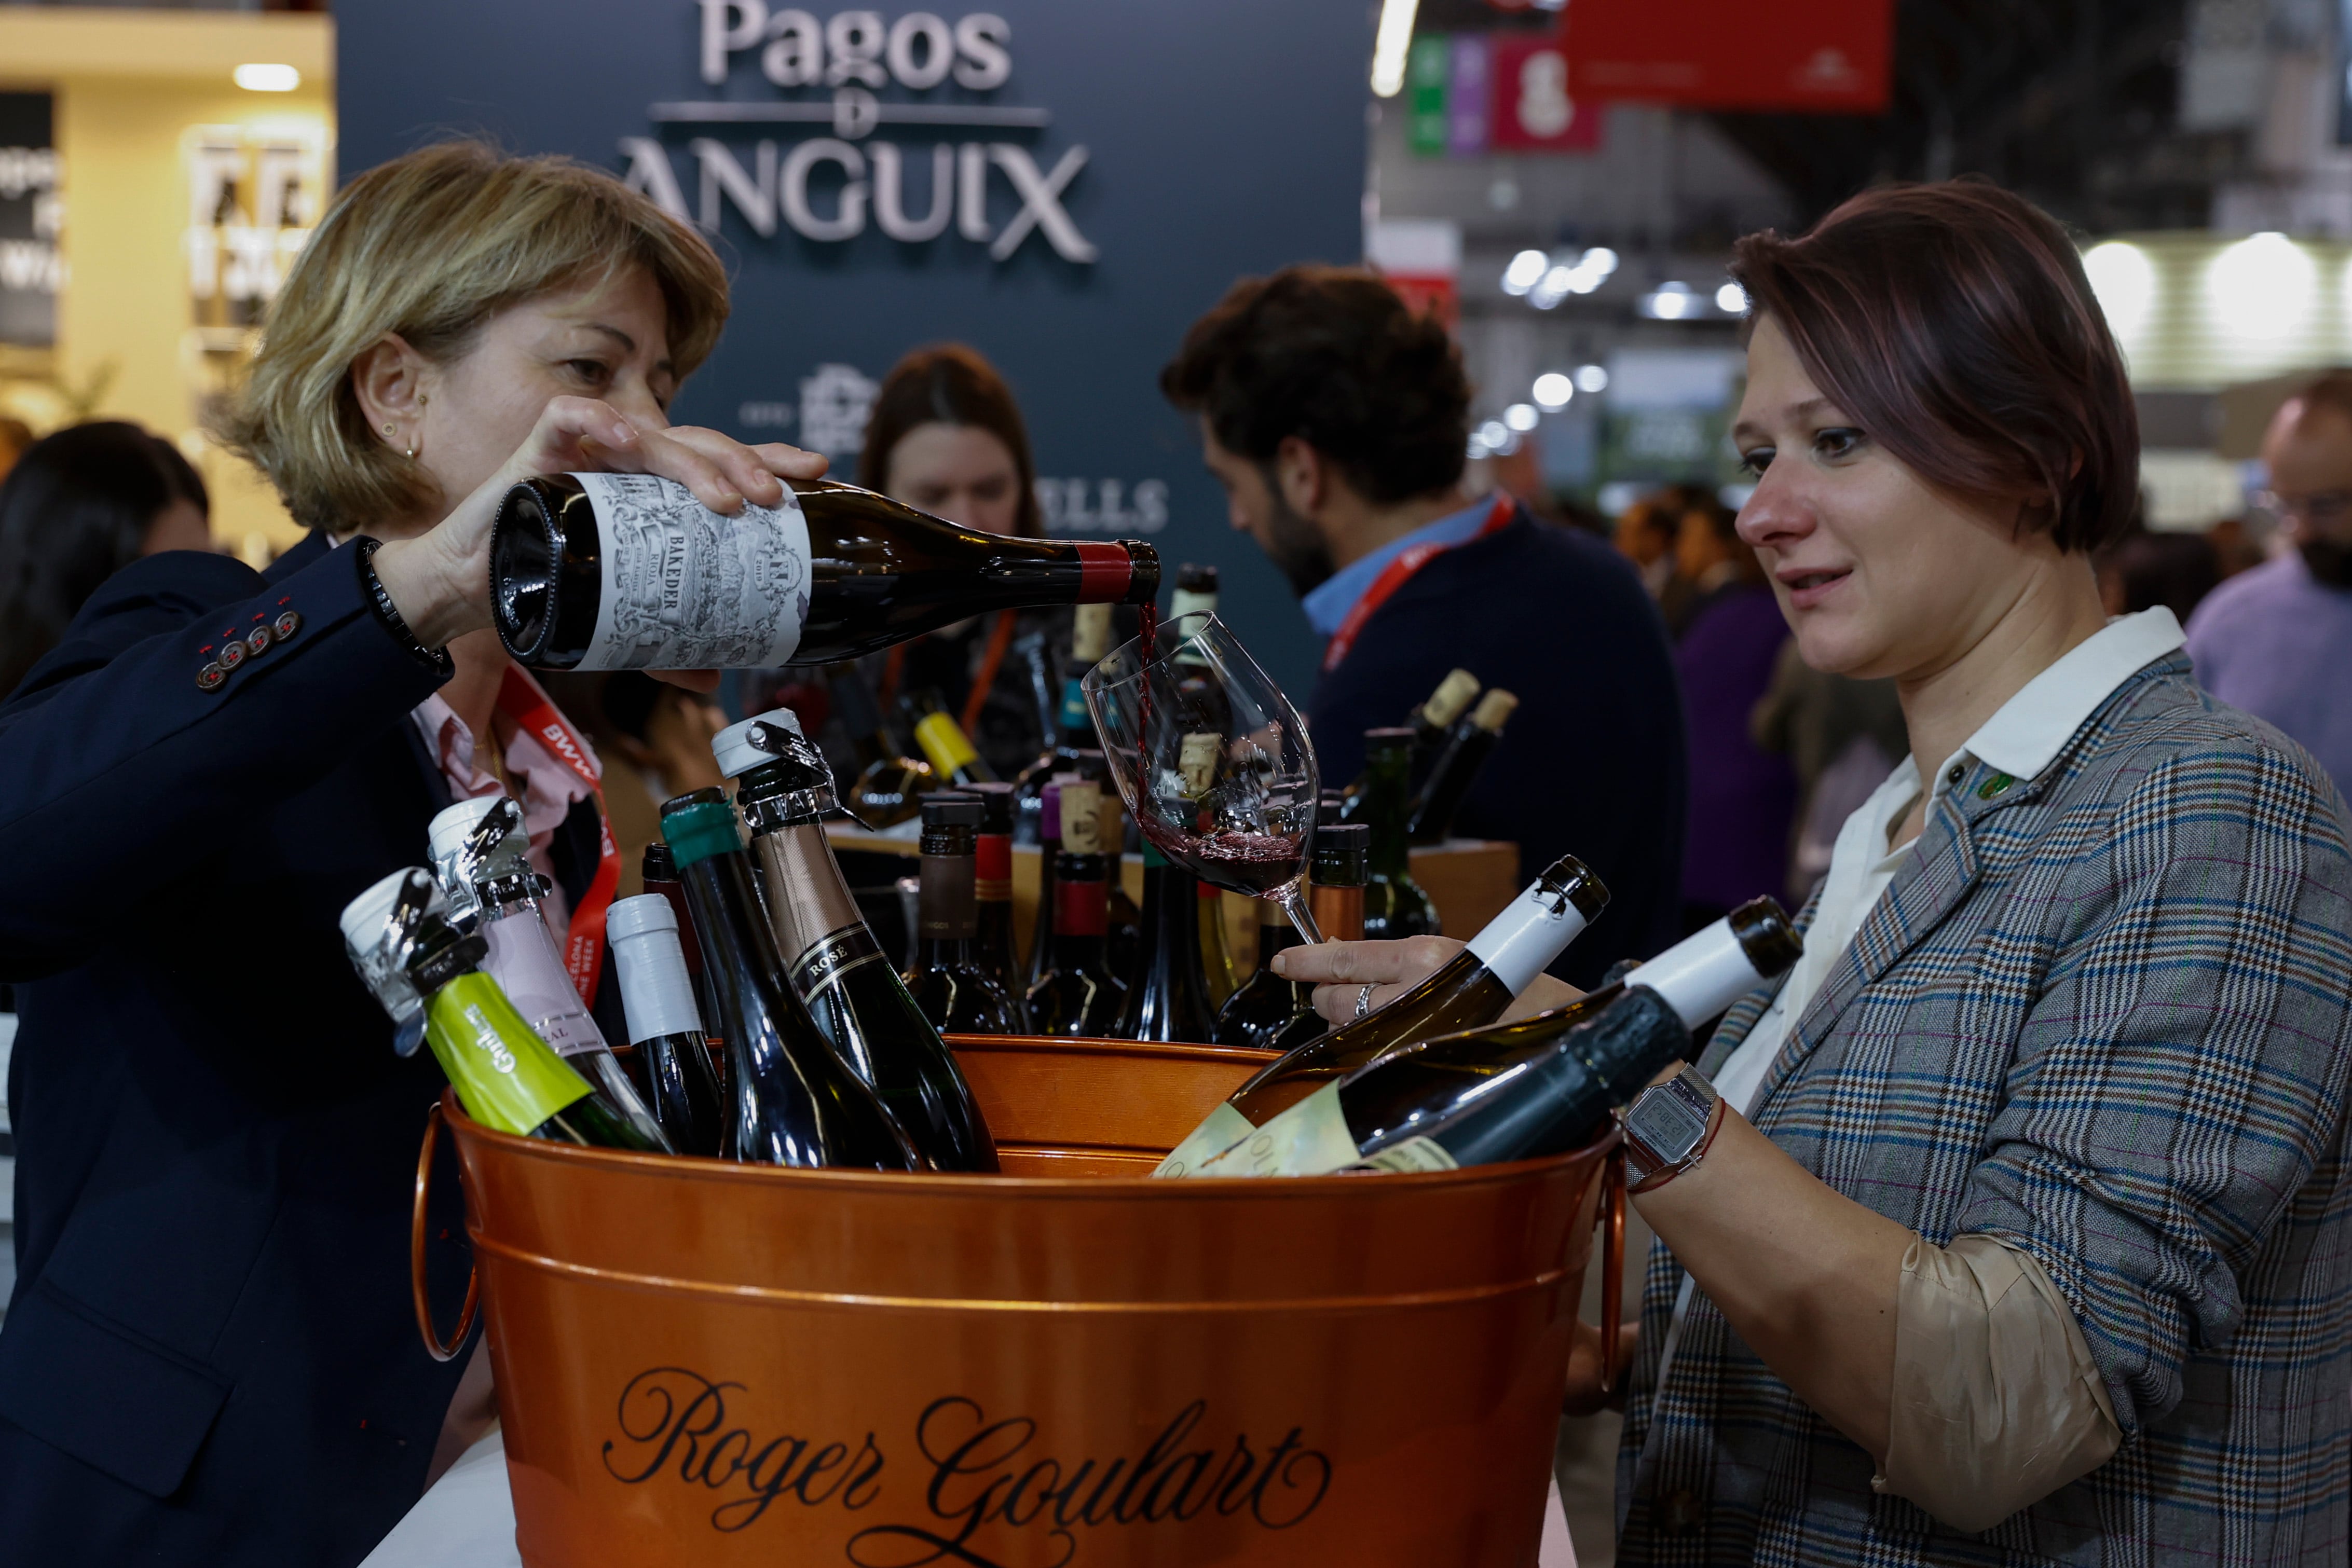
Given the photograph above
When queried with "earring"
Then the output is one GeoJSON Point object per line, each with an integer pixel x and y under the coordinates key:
{"type": "Point", "coordinates": [411, 452]}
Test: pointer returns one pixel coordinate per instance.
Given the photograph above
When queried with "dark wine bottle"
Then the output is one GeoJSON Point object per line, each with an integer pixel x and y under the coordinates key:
{"type": "Point", "coordinates": [834, 964]}
{"type": "Point", "coordinates": [660, 876]}
{"type": "Point", "coordinates": [791, 1099]}
{"type": "Point", "coordinates": [1431, 725]}
{"type": "Point", "coordinates": [606, 571]}
{"type": "Point", "coordinates": [1073, 730]}
{"type": "Point", "coordinates": [945, 745]}
{"type": "Point", "coordinates": [1469, 990]}
{"type": "Point", "coordinates": [1123, 940]}
{"type": "Point", "coordinates": [947, 981]}
{"type": "Point", "coordinates": [1467, 749]}
{"type": "Point", "coordinates": [1337, 869]}
{"type": "Point", "coordinates": [1078, 995]}
{"type": "Point", "coordinates": [1522, 1090]}
{"type": "Point", "coordinates": [889, 786]}
{"type": "Point", "coordinates": [1394, 905]}
{"type": "Point", "coordinates": [1041, 921]}
{"type": "Point", "coordinates": [665, 1025]}
{"type": "Point", "coordinates": [481, 844]}
{"type": "Point", "coordinates": [993, 945]}
{"type": "Point", "coordinates": [1169, 1000]}
{"type": "Point", "coordinates": [1219, 976]}
{"type": "Point", "coordinates": [507, 1078]}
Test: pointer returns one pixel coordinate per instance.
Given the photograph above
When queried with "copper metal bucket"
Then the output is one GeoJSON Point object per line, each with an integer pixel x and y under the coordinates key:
{"type": "Point", "coordinates": [705, 1365]}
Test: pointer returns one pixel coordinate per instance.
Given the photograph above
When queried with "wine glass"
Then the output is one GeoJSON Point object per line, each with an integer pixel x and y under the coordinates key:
{"type": "Point", "coordinates": [1211, 759]}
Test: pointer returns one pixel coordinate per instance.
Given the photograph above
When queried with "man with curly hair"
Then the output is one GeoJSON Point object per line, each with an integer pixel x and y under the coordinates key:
{"type": "Point", "coordinates": [1338, 421]}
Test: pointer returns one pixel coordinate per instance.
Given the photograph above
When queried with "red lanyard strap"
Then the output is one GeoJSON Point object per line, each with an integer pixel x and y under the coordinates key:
{"type": "Point", "coordinates": [520, 699]}
{"type": "Point", "coordinates": [1398, 572]}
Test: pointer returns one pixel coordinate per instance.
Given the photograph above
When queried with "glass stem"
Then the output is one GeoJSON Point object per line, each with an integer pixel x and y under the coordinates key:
{"type": "Point", "coordinates": [1294, 904]}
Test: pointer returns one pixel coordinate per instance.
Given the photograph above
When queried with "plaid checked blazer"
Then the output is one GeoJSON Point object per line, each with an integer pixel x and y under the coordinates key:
{"type": "Point", "coordinates": [2101, 1015]}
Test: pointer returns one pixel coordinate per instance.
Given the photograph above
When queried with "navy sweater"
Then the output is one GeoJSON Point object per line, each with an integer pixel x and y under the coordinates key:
{"type": "Point", "coordinates": [1590, 765]}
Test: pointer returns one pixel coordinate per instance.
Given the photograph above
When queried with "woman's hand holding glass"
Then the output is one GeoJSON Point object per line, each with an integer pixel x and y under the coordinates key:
{"type": "Point", "coordinates": [440, 582]}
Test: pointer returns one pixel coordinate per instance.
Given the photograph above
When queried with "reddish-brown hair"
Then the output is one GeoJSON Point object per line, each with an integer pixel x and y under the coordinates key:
{"type": "Point", "coordinates": [948, 384]}
{"type": "Point", "coordinates": [1955, 322]}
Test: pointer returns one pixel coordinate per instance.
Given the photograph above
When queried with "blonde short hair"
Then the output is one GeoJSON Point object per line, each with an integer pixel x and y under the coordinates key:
{"type": "Point", "coordinates": [430, 245]}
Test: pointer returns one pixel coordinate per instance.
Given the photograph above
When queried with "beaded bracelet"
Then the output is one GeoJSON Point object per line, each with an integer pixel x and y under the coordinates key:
{"type": "Point", "coordinates": [438, 660]}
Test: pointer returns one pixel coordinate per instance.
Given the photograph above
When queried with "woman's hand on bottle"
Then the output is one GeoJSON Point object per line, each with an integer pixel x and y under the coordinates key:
{"type": "Point", "coordinates": [1340, 970]}
{"type": "Point", "coordinates": [440, 582]}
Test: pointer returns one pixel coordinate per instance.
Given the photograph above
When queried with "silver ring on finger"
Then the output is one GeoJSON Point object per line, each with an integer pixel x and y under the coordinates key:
{"type": "Point", "coordinates": [1364, 999]}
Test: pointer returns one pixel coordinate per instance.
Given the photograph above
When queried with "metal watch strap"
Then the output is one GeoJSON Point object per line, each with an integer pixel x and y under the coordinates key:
{"type": "Point", "coordinates": [436, 659]}
{"type": "Point", "coordinates": [1665, 1126]}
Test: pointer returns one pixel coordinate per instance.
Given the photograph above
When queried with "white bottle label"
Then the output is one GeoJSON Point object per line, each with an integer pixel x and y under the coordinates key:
{"type": "Point", "coordinates": [1701, 975]}
{"type": "Point", "coordinates": [1408, 1156]}
{"type": "Point", "coordinates": [1311, 1138]}
{"type": "Point", "coordinates": [1222, 1128]}
{"type": "Point", "coordinates": [1528, 934]}
{"type": "Point", "coordinates": [687, 589]}
{"type": "Point", "coordinates": [523, 960]}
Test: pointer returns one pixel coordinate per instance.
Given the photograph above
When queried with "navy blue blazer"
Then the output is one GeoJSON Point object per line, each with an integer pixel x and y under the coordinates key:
{"type": "Point", "coordinates": [1590, 765]}
{"type": "Point", "coordinates": [211, 1356]}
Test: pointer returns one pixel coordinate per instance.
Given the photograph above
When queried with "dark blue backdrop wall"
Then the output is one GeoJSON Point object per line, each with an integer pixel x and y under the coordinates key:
{"type": "Point", "coordinates": [1063, 184]}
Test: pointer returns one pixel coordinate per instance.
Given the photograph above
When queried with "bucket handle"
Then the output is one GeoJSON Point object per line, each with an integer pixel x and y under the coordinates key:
{"type": "Point", "coordinates": [432, 1345]}
{"type": "Point", "coordinates": [1610, 1217]}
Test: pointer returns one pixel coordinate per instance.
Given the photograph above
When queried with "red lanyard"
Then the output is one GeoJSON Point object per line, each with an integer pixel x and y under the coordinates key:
{"type": "Point", "coordinates": [1398, 572]}
{"type": "Point", "coordinates": [520, 699]}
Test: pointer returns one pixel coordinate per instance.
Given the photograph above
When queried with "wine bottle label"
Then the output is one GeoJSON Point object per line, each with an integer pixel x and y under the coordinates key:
{"type": "Point", "coordinates": [687, 589]}
{"type": "Point", "coordinates": [826, 962]}
{"type": "Point", "coordinates": [1311, 1138]}
{"type": "Point", "coordinates": [1701, 975]}
{"type": "Point", "coordinates": [1518, 944]}
{"type": "Point", "coordinates": [505, 1077]}
{"type": "Point", "coordinates": [1224, 1127]}
{"type": "Point", "coordinates": [944, 743]}
{"type": "Point", "coordinates": [523, 960]}
{"type": "Point", "coordinates": [1408, 1156]}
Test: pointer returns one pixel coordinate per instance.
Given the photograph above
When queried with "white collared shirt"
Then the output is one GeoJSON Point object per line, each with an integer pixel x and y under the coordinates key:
{"type": "Point", "coordinates": [2021, 739]}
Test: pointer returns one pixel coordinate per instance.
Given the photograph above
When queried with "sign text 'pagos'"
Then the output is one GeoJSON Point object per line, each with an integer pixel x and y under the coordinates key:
{"type": "Point", "coordinates": [832, 187]}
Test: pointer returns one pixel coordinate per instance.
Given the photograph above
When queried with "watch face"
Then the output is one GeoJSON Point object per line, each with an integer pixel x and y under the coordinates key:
{"type": "Point", "coordinates": [1667, 1124]}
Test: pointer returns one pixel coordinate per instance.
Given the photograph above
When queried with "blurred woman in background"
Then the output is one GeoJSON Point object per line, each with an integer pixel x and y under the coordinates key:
{"type": "Point", "coordinates": [945, 436]}
{"type": "Point", "coordinates": [76, 509]}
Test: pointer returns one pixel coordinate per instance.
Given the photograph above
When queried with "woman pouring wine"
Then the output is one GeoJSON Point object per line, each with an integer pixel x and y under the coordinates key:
{"type": "Point", "coordinates": [2016, 1227]}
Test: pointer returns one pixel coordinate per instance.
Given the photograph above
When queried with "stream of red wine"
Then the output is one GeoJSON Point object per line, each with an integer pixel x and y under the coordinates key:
{"type": "Point", "coordinates": [1147, 630]}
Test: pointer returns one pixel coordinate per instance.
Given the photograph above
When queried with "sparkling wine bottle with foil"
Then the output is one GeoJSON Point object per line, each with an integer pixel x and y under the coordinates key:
{"type": "Point", "coordinates": [831, 959]}
{"type": "Point", "coordinates": [791, 1100]}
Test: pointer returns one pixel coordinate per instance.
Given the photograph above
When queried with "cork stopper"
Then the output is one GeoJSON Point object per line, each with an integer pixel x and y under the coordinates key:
{"type": "Point", "coordinates": [1090, 638]}
{"type": "Point", "coordinates": [1198, 761]}
{"type": "Point", "coordinates": [1452, 695]}
{"type": "Point", "coordinates": [1081, 817]}
{"type": "Point", "coordinates": [1494, 709]}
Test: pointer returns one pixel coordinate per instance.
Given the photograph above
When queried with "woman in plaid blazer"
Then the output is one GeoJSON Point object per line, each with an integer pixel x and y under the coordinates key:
{"type": "Point", "coordinates": [2018, 1233]}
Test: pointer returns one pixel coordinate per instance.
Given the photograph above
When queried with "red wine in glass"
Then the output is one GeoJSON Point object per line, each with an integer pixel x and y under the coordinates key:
{"type": "Point", "coordinates": [1216, 769]}
{"type": "Point", "coordinates": [1259, 864]}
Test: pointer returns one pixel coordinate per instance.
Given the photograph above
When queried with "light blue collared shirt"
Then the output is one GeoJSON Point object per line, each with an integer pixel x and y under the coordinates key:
{"type": "Point", "coordinates": [1328, 606]}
